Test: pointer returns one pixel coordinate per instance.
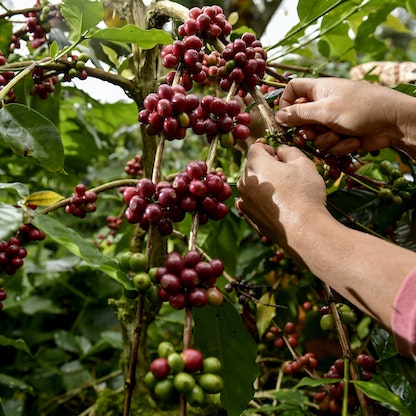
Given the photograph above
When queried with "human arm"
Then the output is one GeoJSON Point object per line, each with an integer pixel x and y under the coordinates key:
{"type": "Point", "coordinates": [284, 199]}
{"type": "Point", "coordinates": [367, 116]}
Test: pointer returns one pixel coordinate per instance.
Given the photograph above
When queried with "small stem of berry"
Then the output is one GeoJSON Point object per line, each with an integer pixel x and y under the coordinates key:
{"type": "Point", "coordinates": [346, 387]}
{"type": "Point", "coordinates": [131, 377]}
{"type": "Point", "coordinates": [345, 347]}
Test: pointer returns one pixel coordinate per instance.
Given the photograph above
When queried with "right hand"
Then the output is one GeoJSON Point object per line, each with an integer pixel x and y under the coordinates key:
{"type": "Point", "coordinates": [361, 116]}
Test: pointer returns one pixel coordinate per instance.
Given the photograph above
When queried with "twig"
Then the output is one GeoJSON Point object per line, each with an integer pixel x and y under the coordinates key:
{"type": "Point", "coordinates": [346, 349]}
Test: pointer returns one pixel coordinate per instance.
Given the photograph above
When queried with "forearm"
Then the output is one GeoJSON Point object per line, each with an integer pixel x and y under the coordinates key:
{"type": "Point", "coordinates": [364, 269]}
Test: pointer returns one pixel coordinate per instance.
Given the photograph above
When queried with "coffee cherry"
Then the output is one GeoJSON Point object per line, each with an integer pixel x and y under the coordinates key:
{"type": "Point", "coordinates": [196, 397]}
{"type": "Point", "coordinates": [137, 262]}
{"type": "Point", "coordinates": [165, 390]}
{"type": "Point", "coordinates": [211, 365]}
{"type": "Point", "coordinates": [176, 362]}
{"type": "Point", "coordinates": [184, 382]}
{"type": "Point", "coordinates": [160, 368]}
{"type": "Point", "coordinates": [327, 322]}
{"type": "Point", "coordinates": [142, 282]}
{"type": "Point", "coordinates": [211, 383]}
{"type": "Point", "coordinates": [165, 348]}
{"type": "Point", "coordinates": [193, 360]}
{"type": "Point", "coordinates": [150, 380]}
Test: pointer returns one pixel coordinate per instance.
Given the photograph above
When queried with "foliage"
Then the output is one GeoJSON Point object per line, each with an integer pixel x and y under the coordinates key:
{"type": "Point", "coordinates": [74, 312]}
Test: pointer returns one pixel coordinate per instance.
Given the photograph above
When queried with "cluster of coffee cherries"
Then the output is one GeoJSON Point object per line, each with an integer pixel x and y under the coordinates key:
{"type": "Point", "coordinates": [208, 22]}
{"type": "Point", "coordinates": [398, 189]}
{"type": "Point", "coordinates": [189, 280]}
{"type": "Point", "coordinates": [346, 314]}
{"type": "Point", "coordinates": [192, 190]}
{"type": "Point", "coordinates": [186, 373]}
{"type": "Point", "coordinates": [82, 202]}
{"type": "Point", "coordinates": [188, 55]}
{"type": "Point", "coordinates": [169, 111]}
{"type": "Point", "coordinates": [43, 84]}
{"type": "Point", "coordinates": [218, 116]}
{"type": "Point", "coordinates": [37, 23]}
{"type": "Point", "coordinates": [307, 361]}
{"type": "Point", "coordinates": [331, 398]}
{"type": "Point", "coordinates": [134, 167]}
{"type": "Point", "coordinates": [243, 62]}
{"type": "Point", "coordinates": [12, 251]}
{"type": "Point", "coordinates": [5, 77]}
{"type": "Point", "coordinates": [274, 336]}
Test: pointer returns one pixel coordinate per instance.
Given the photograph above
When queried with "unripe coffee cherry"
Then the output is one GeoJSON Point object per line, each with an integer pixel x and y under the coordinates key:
{"type": "Point", "coordinates": [165, 348]}
{"type": "Point", "coordinates": [165, 390]}
{"type": "Point", "coordinates": [327, 322]}
{"type": "Point", "coordinates": [142, 281]}
{"type": "Point", "coordinates": [184, 382]}
{"type": "Point", "coordinates": [176, 362]}
{"type": "Point", "coordinates": [211, 365]}
{"type": "Point", "coordinates": [211, 383]}
{"type": "Point", "coordinates": [138, 262]}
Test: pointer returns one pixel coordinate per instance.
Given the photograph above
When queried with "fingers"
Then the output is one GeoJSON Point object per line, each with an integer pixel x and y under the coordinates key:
{"type": "Point", "coordinates": [296, 88]}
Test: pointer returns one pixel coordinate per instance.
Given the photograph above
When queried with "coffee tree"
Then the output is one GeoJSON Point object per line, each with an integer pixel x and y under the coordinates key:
{"type": "Point", "coordinates": [130, 284]}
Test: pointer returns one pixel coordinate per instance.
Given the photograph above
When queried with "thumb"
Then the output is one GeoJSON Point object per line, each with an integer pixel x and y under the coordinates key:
{"type": "Point", "coordinates": [298, 114]}
{"type": "Point", "coordinates": [288, 154]}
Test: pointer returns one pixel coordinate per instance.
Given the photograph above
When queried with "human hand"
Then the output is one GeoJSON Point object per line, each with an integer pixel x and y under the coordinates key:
{"type": "Point", "coordinates": [359, 115]}
{"type": "Point", "coordinates": [279, 190]}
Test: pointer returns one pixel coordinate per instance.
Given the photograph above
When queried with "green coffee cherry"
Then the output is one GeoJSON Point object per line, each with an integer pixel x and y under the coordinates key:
{"type": "Point", "coordinates": [184, 382]}
{"type": "Point", "coordinates": [348, 317]}
{"type": "Point", "coordinates": [385, 194]}
{"type": "Point", "coordinates": [401, 183]}
{"type": "Point", "coordinates": [165, 348]}
{"type": "Point", "coordinates": [150, 380]}
{"type": "Point", "coordinates": [211, 383]}
{"type": "Point", "coordinates": [327, 322]}
{"type": "Point", "coordinates": [125, 260]}
{"type": "Point", "coordinates": [176, 362]}
{"type": "Point", "coordinates": [211, 365]}
{"type": "Point", "coordinates": [138, 262]}
{"type": "Point", "coordinates": [196, 397]}
{"type": "Point", "coordinates": [142, 282]}
{"type": "Point", "coordinates": [386, 167]}
{"type": "Point", "coordinates": [395, 173]}
{"type": "Point", "coordinates": [165, 389]}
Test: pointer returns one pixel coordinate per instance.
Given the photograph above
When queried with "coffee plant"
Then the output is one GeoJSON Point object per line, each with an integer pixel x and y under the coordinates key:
{"type": "Point", "coordinates": [129, 282]}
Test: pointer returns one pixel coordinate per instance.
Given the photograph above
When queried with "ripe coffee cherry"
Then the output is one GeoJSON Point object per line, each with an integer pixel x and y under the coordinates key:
{"type": "Point", "coordinates": [197, 297]}
{"type": "Point", "coordinates": [179, 300]}
{"type": "Point", "coordinates": [160, 367]}
{"type": "Point", "coordinates": [170, 283]}
{"type": "Point", "coordinates": [174, 263]}
{"type": "Point", "coordinates": [193, 360]}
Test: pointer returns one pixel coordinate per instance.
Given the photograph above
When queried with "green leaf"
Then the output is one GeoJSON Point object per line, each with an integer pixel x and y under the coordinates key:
{"type": "Point", "coordinates": [19, 343]}
{"type": "Point", "coordinates": [54, 48]}
{"type": "Point", "coordinates": [6, 30]}
{"type": "Point", "coordinates": [265, 312]}
{"type": "Point", "coordinates": [11, 219]}
{"type": "Point", "coordinates": [220, 332]}
{"type": "Point", "coordinates": [82, 15]}
{"type": "Point", "coordinates": [13, 383]}
{"type": "Point", "coordinates": [381, 394]}
{"type": "Point", "coordinates": [29, 133]}
{"type": "Point", "coordinates": [19, 187]}
{"type": "Point", "coordinates": [146, 39]}
{"type": "Point", "coordinates": [383, 344]}
{"type": "Point", "coordinates": [82, 248]}
{"type": "Point", "coordinates": [316, 382]}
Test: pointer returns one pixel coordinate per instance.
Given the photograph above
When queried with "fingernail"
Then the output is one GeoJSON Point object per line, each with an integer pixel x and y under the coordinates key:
{"type": "Point", "coordinates": [281, 116]}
